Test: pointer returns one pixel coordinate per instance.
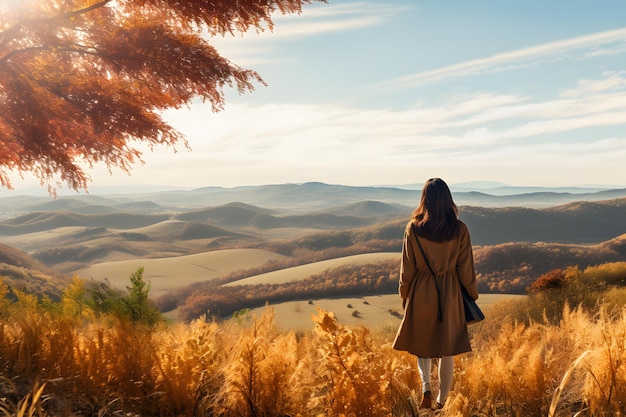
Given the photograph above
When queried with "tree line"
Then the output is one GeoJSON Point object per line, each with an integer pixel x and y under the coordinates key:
{"type": "Point", "coordinates": [351, 279]}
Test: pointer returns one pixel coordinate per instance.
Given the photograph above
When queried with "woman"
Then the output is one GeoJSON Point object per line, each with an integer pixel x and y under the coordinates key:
{"type": "Point", "coordinates": [434, 319]}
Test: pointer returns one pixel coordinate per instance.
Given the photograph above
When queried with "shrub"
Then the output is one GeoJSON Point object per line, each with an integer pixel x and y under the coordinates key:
{"type": "Point", "coordinates": [556, 278]}
{"type": "Point", "coordinates": [612, 273]}
{"type": "Point", "coordinates": [559, 288]}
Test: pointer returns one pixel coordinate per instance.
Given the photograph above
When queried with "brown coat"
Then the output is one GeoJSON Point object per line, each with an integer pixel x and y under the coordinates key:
{"type": "Point", "coordinates": [421, 333]}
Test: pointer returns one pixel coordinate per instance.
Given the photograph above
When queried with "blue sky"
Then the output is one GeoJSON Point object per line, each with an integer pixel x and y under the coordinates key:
{"type": "Point", "coordinates": [395, 92]}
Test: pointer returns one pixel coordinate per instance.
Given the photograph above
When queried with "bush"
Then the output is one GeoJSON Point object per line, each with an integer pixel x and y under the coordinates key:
{"type": "Point", "coordinates": [101, 299]}
{"type": "Point", "coordinates": [612, 273]}
{"type": "Point", "coordinates": [555, 290]}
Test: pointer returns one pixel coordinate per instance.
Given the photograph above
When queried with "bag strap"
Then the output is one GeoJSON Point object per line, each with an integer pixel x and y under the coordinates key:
{"type": "Point", "coordinates": [439, 313]}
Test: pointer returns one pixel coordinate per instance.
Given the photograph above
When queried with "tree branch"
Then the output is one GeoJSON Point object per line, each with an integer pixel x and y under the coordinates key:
{"type": "Point", "coordinates": [9, 33]}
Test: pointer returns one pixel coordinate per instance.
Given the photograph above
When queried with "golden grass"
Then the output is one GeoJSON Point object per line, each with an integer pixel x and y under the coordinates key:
{"type": "Point", "coordinates": [516, 369]}
{"type": "Point", "coordinates": [68, 364]}
{"type": "Point", "coordinates": [564, 381]}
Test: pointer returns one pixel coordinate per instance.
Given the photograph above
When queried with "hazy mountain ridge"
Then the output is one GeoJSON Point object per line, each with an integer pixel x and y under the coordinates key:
{"type": "Point", "coordinates": [40, 221]}
{"type": "Point", "coordinates": [320, 196]}
{"type": "Point", "coordinates": [500, 189]}
{"type": "Point", "coordinates": [236, 214]}
{"type": "Point", "coordinates": [368, 209]}
{"type": "Point", "coordinates": [302, 197]}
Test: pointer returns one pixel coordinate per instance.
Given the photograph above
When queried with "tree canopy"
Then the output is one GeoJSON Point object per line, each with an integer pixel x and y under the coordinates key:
{"type": "Point", "coordinates": [85, 81]}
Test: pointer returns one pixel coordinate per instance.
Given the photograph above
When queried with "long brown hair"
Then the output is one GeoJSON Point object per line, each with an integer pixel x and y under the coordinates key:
{"type": "Point", "coordinates": [436, 216]}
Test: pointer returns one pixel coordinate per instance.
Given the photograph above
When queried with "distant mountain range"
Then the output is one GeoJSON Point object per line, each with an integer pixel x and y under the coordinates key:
{"type": "Point", "coordinates": [299, 197]}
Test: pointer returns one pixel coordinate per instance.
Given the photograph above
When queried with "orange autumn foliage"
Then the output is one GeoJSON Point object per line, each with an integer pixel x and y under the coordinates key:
{"type": "Point", "coordinates": [84, 81]}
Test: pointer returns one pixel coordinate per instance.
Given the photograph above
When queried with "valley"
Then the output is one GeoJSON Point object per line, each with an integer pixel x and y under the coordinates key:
{"type": "Point", "coordinates": [196, 247]}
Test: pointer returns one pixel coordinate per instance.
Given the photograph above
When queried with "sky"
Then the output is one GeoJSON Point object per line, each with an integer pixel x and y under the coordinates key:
{"type": "Point", "coordinates": [527, 93]}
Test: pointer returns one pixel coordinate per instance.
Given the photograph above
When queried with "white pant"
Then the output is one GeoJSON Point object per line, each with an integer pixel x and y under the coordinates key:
{"type": "Point", "coordinates": [446, 372]}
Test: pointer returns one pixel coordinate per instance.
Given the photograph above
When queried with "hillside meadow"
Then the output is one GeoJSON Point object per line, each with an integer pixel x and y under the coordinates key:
{"type": "Point", "coordinates": [194, 256]}
{"type": "Point", "coordinates": [66, 359]}
{"type": "Point", "coordinates": [166, 274]}
{"type": "Point", "coordinates": [190, 287]}
{"type": "Point", "coordinates": [376, 312]}
{"type": "Point", "coordinates": [279, 312]}
{"type": "Point", "coordinates": [222, 281]}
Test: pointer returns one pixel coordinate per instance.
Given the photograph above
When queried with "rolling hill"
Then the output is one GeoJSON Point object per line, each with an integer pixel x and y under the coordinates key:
{"type": "Point", "coordinates": [20, 271]}
{"type": "Point", "coordinates": [48, 220]}
{"type": "Point", "coordinates": [165, 274]}
{"type": "Point", "coordinates": [71, 241]}
{"type": "Point", "coordinates": [286, 275]}
{"type": "Point", "coordinates": [578, 222]}
{"type": "Point", "coordinates": [325, 225]}
{"type": "Point", "coordinates": [506, 268]}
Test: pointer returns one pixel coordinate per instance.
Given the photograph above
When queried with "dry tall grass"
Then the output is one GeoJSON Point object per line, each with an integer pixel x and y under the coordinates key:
{"type": "Point", "coordinates": [66, 363]}
{"type": "Point", "coordinates": [516, 370]}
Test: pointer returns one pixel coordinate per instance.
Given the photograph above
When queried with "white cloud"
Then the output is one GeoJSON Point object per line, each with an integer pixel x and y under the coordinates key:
{"type": "Point", "coordinates": [499, 62]}
{"type": "Point", "coordinates": [465, 125]}
{"type": "Point", "coordinates": [464, 138]}
{"type": "Point", "coordinates": [607, 50]}
{"type": "Point", "coordinates": [253, 48]}
{"type": "Point", "coordinates": [331, 18]}
{"type": "Point", "coordinates": [479, 133]}
{"type": "Point", "coordinates": [351, 8]}
{"type": "Point", "coordinates": [613, 81]}
{"type": "Point", "coordinates": [310, 28]}
{"type": "Point", "coordinates": [592, 103]}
